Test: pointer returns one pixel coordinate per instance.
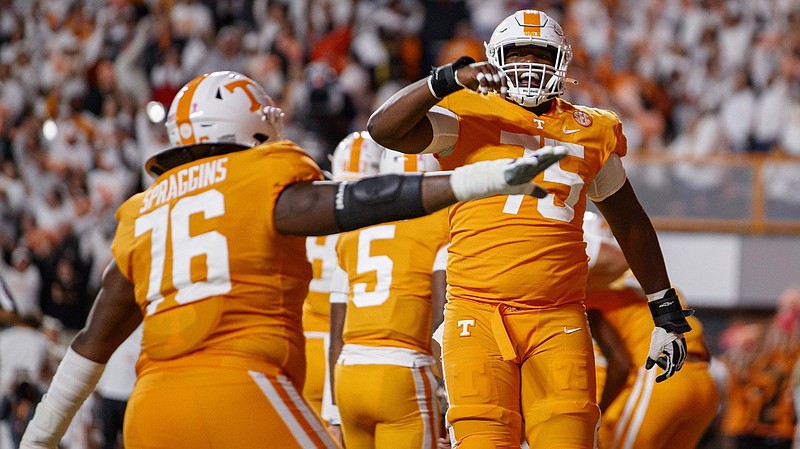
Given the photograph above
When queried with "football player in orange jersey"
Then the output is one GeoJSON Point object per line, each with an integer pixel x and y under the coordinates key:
{"type": "Point", "coordinates": [517, 352]}
{"type": "Point", "coordinates": [387, 296]}
{"type": "Point", "coordinates": [355, 156]}
{"type": "Point", "coordinates": [639, 413]}
{"type": "Point", "coordinates": [211, 258]}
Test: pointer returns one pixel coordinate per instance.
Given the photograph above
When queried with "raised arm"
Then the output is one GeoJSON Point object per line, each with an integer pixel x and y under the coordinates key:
{"type": "Point", "coordinates": [401, 123]}
{"type": "Point", "coordinates": [319, 208]}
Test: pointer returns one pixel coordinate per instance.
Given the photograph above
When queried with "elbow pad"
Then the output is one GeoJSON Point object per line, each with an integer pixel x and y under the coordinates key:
{"type": "Point", "coordinates": [378, 199]}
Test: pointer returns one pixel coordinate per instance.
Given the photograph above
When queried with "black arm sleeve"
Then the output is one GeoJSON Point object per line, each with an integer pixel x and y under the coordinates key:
{"type": "Point", "coordinates": [378, 199]}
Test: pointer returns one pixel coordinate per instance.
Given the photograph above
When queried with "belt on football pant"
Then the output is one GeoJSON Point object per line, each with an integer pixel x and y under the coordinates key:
{"type": "Point", "coordinates": [500, 333]}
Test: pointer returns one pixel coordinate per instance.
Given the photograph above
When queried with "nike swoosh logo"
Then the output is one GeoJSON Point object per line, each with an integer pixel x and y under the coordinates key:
{"type": "Point", "coordinates": [570, 131]}
{"type": "Point", "coordinates": [569, 331]}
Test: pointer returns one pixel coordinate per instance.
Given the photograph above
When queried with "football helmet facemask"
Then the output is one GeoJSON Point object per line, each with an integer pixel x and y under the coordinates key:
{"type": "Point", "coordinates": [531, 84]}
{"type": "Point", "coordinates": [356, 156]}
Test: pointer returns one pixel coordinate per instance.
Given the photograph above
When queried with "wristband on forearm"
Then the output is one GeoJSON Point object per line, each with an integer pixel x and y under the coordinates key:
{"type": "Point", "coordinates": [668, 313]}
{"type": "Point", "coordinates": [443, 79]}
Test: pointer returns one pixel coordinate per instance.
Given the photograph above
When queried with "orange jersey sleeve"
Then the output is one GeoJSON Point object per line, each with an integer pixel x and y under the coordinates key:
{"type": "Point", "coordinates": [518, 248]}
{"type": "Point", "coordinates": [210, 271]}
{"type": "Point", "coordinates": [389, 268]}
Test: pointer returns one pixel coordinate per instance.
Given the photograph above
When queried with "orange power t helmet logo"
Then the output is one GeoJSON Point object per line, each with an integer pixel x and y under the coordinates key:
{"type": "Point", "coordinates": [242, 84]}
{"type": "Point", "coordinates": [532, 23]}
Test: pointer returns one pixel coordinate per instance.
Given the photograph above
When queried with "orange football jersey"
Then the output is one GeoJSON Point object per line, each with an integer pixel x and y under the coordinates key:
{"type": "Point", "coordinates": [389, 268]}
{"type": "Point", "coordinates": [518, 249]}
{"type": "Point", "coordinates": [211, 273]}
{"type": "Point", "coordinates": [322, 255]}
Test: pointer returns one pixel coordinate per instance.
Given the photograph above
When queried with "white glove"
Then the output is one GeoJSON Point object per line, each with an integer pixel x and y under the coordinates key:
{"type": "Point", "coordinates": [667, 350]}
{"type": "Point", "coordinates": [504, 176]}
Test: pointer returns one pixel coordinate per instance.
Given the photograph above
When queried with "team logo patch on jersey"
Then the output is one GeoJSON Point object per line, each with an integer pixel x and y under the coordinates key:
{"type": "Point", "coordinates": [465, 326]}
{"type": "Point", "coordinates": [582, 118]}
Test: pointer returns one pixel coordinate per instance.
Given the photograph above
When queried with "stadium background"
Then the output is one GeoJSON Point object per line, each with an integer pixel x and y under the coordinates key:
{"type": "Point", "coordinates": [708, 92]}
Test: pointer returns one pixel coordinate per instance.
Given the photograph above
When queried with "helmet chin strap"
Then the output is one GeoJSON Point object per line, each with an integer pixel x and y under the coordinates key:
{"type": "Point", "coordinates": [528, 102]}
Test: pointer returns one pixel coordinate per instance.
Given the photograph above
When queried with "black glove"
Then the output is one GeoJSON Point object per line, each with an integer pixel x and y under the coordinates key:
{"type": "Point", "coordinates": [443, 78]}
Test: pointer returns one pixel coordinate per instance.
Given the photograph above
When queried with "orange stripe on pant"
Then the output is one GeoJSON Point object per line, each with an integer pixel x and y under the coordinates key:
{"type": "Point", "coordinates": [426, 383]}
{"type": "Point", "coordinates": [301, 421]}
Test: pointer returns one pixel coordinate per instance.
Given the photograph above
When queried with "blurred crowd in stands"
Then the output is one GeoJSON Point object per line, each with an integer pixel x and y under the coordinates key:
{"type": "Point", "coordinates": [691, 77]}
{"type": "Point", "coordinates": [758, 373]}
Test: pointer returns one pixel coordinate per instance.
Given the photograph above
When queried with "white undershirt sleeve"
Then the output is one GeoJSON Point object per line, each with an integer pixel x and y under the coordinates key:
{"type": "Point", "coordinates": [593, 244]}
{"type": "Point", "coordinates": [445, 131]}
{"type": "Point", "coordinates": [609, 179]}
{"type": "Point", "coordinates": [340, 286]}
{"type": "Point", "coordinates": [440, 261]}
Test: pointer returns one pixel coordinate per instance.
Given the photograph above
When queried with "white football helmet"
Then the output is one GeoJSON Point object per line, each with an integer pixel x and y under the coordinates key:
{"type": "Point", "coordinates": [530, 84]}
{"type": "Point", "coordinates": [397, 162]}
{"type": "Point", "coordinates": [356, 156]}
{"type": "Point", "coordinates": [225, 107]}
